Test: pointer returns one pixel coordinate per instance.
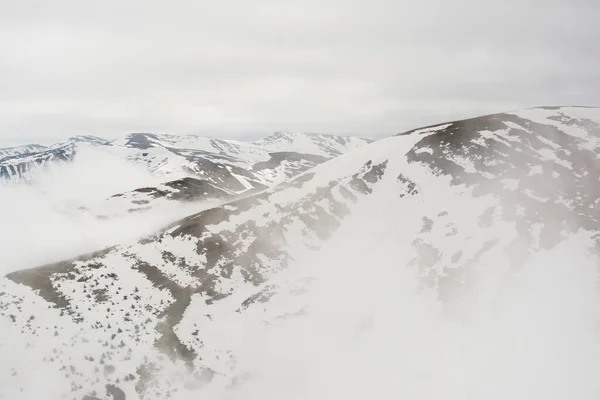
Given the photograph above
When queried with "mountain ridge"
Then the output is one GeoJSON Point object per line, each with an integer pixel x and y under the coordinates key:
{"type": "Point", "coordinates": [178, 155]}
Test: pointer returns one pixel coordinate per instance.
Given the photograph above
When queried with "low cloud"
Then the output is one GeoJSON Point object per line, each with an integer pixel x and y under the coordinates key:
{"type": "Point", "coordinates": [43, 221]}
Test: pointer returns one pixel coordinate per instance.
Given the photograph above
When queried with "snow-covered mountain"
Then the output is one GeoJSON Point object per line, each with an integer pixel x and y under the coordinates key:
{"type": "Point", "coordinates": [90, 139]}
{"type": "Point", "coordinates": [307, 143]}
{"type": "Point", "coordinates": [191, 168]}
{"type": "Point", "coordinates": [19, 150]}
{"type": "Point", "coordinates": [232, 165]}
{"type": "Point", "coordinates": [167, 314]}
{"type": "Point", "coordinates": [21, 165]}
{"type": "Point", "coordinates": [179, 191]}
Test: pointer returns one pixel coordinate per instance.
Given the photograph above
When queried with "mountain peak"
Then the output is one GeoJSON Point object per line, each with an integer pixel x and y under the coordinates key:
{"type": "Point", "coordinates": [312, 143]}
{"type": "Point", "coordinates": [88, 139]}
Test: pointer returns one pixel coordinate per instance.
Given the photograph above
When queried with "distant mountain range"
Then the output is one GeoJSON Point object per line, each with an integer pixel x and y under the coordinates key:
{"type": "Point", "coordinates": [228, 166]}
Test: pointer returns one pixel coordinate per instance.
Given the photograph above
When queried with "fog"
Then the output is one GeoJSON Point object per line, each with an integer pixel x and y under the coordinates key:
{"type": "Point", "coordinates": [370, 331]}
{"type": "Point", "coordinates": [42, 221]}
{"type": "Point", "coordinates": [368, 326]}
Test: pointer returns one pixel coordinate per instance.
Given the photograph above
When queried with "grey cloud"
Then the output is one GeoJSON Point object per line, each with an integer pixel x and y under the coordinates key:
{"type": "Point", "coordinates": [235, 68]}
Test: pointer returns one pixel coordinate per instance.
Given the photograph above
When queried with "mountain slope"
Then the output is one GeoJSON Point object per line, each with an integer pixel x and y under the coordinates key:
{"type": "Point", "coordinates": [233, 166]}
{"type": "Point", "coordinates": [227, 169]}
{"type": "Point", "coordinates": [90, 139]}
{"type": "Point", "coordinates": [21, 165]}
{"type": "Point", "coordinates": [243, 164]}
{"type": "Point", "coordinates": [182, 191]}
{"type": "Point", "coordinates": [447, 201]}
{"type": "Point", "coordinates": [19, 150]}
{"type": "Point", "coordinates": [17, 163]}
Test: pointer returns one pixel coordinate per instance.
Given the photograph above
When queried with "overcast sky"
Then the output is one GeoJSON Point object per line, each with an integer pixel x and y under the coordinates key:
{"type": "Point", "coordinates": [235, 68]}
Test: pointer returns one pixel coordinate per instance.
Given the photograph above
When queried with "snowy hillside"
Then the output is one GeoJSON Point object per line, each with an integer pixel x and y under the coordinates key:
{"type": "Point", "coordinates": [180, 191]}
{"type": "Point", "coordinates": [22, 164]}
{"type": "Point", "coordinates": [88, 139]}
{"type": "Point", "coordinates": [231, 165]}
{"type": "Point", "coordinates": [309, 143]}
{"type": "Point", "coordinates": [87, 193]}
{"type": "Point", "coordinates": [239, 165]}
{"type": "Point", "coordinates": [395, 260]}
{"type": "Point", "coordinates": [19, 150]}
